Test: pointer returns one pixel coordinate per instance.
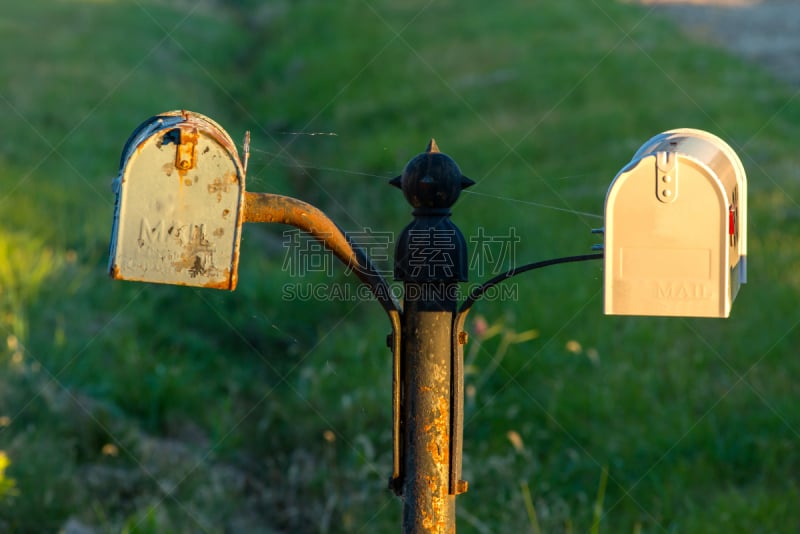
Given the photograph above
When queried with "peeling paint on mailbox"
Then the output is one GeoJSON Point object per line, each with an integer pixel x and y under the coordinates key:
{"type": "Point", "coordinates": [179, 199]}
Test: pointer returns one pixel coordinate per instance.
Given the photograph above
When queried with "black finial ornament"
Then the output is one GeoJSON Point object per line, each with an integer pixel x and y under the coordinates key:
{"type": "Point", "coordinates": [431, 248]}
{"type": "Point", "coordinates": [432, 180]}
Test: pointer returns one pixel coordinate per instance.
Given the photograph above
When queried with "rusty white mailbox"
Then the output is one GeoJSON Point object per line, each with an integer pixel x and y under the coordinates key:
{"type": "Point", "coordinates": [179, 204]}
{"type": "Point", "coordinates": [676, 229]}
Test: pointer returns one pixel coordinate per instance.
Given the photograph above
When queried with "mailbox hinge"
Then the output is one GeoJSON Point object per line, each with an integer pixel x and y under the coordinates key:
{"type": "Point", "coordinates": [666, 176]}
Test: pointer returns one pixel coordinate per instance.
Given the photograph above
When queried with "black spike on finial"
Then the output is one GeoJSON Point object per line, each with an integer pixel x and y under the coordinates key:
{"type": "Point", "coordinates": [397, 181]}
{"type": "Point", "coordinates": [432, 146]}
{"type": "Point", "coordinates": [466, 182]}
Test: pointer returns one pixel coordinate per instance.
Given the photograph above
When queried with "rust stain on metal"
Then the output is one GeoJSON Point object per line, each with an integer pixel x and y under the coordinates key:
{"type": "Point", "coordinates": [223, 139]}
{"type": "Point", "coordinates": [233, 279]}
{"type": "Point", "coordinates": [437, 430]}
{"type": "Point", "coordinates": [197, 255]}
{"type": "Point", "coordinates": [140, 147]}
{"type": "Point", "coordinates": [432, 483]}
{"type": "Point", "coordinates": [427, 522]}
{"type": "Point", "coordinates": [463, 338]}
{"type": "Point", "coordinates": [115, 272]}
{"type": "Point", "coordinates": [227, 282]}
{"type": "Point", "coordinates": [438, 511]}
{"type": "Point", "coordinates": [222, 185]}
{"type": "Point", "coordinates": [435, 521]}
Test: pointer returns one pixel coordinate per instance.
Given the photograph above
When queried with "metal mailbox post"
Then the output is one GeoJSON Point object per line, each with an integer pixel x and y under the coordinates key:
{"type": "Point", "coordinates": [181, 202]}
{"type": "Point", "coordinates": [430, 259]}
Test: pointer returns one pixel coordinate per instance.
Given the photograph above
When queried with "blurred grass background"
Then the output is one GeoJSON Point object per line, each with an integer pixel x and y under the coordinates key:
{"type": "Point", "coordinates": [140, 408]}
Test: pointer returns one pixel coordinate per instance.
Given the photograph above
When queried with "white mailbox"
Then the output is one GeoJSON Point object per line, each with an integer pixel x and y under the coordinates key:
{"type": "Point", "coordinates": [179, 204]}
{"type": "Point", "coordinates": [676, 229]}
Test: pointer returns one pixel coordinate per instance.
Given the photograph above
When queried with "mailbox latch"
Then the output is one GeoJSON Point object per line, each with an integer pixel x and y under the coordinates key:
{"type": "Point", "coordinates": [185, 152]}
{"type": "Point", "coordinates": [666, 176]}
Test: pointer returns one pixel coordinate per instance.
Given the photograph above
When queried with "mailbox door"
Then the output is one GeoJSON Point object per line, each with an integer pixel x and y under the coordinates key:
{"type": "Point", "coordinates": [179, 204]}
{"type": "Point", "coordinates": [666, 254]}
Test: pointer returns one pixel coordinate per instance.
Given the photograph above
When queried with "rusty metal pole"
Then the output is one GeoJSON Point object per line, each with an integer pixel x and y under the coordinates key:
{"type": "Point", "coordinates": [430, 259]}
{"type": "Point", "coordinates": [428, 504]}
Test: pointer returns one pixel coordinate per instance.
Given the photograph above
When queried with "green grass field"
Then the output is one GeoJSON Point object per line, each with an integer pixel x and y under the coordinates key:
{"type": "Point", "coordinates": [134, 408]}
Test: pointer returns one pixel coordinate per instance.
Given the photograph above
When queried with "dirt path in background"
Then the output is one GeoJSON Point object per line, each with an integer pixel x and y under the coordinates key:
{"type": "Point", "coordinates": [766, 32]}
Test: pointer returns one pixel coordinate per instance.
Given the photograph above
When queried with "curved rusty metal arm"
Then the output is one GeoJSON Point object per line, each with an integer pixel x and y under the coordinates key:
{"type": "Point", "coordinates": [269, 208]}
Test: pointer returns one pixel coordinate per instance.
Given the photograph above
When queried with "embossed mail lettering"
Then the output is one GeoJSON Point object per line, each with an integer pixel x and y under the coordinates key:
{"type": "Point", "coordinates": [161, 233]}
{"type": "Point", "coordinates": [683, 291]}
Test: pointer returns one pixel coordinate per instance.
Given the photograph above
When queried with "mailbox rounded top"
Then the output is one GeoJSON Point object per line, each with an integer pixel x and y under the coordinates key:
{"type": "Point", "coordinates": [432, 180]}
{"type": "Point", "coordinates": [169, 119]}
{"type": "Point", "coordinates": [701, 145]}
